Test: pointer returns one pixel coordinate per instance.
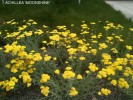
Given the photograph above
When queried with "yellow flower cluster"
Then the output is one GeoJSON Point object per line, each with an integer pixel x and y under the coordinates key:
{"type": "Point", "coordinates": [114, 82]}
{"type": "Point", "coordinates": [71, 51]}
{"type": "Point", "coordinates": [90, 54]}
{"type": "Point", "coordinates": [9, 84]}
{"type": "Point", "coordinates": [23, 60]}
{"type": "Point", "coordinates": [122, 83]}
{"type": "Point", "coordinates": [26, 78]}
{"type": "Point", "coordinates": [38, 32]}
{"type": "Point", "coordinates": [47, 57]}
{"type": "Point", "coordinates": [44, 90]}
{"type": "Point", "coordinates": [23, 29]}
{"type": "Point", "coordinates": [44, 78]}
{"type": "Point", "coordinates": [105, 72]}
{"type": "Point", "coordinates": [14, 48]}
{"type": "Point", "coordinates": [106, 58]}
{"type": "Point", "coordinates": [73, 92]}
{"type": "Point", "coordinates": [68, 73]}
{"type": "Point", "coordinates": [104, 91]}
{"type": "Point", "coordinates": [93, 67]}
{"type": "Point", "coordinates": [55, 37]}
{"type": "Point", "coordinates": [128, 71]}
{"type": "Point", "coordinates": [129, 47]}
{"type": "Point", "coordinates": [102, 46]}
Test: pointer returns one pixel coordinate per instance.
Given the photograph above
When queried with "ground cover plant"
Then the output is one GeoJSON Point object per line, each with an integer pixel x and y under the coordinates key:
{"type": "Point", "coordinates": [67, 58]}
{"type": "Point", "coordinates": [96, 63]}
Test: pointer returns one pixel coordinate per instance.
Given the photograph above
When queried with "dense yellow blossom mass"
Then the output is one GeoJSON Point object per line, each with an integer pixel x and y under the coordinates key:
{"type": "Point", "coordinates": [65, 63]}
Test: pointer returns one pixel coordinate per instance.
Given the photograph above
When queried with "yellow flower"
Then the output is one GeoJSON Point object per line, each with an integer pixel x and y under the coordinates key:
{"type": "Point", "coordinates": [44, 26]}
{"type": "Point", "coordinates": [99, 93]}
{"type": "Point", "coordinates": [84, 26]}
{"type": "Point", "coordinates": [106, 56]}
{"type": "Point", "coordinates": [122, 83]}
{"type": "Point", "coordinates": [28, 84]}
{"type": "Point", "coordinates": [102, 74]}
{"type": "Point", "coordinates": [13, 61]}
{"type": "Point", "coordinates": [30, 70]}
{"type": "Point", "coordinates": [71, 51]}
{"type": "Point", "coordinates": [93, 36]}
{"type": "Point", "coordinates": [22, 54]}
{"type": "Point", "coordinates": [37, 57]}
{"type": "Point", "coordinates": [47, 57]}
{"type": "Point", "coordinates": [109, 71]}
{"type": "Point", "coordinates": [131, 29]}
{"type": "Point", "coordinates": [14, 79]}
{"type": "Point", "coordinates": [44, 78]}
{"type": "Point", "coordinates": [114, 50]}
{"type": "Point", "coordinates": [44, 90]}
{"type": "Point", "coordinates": [100, 35]}
{"type": "Point", "coordinates": [73, 92]}
{"type": "Point", "coordinates": [102, 46]}
{"type": "Point", "coordinates": [0, 48]}
{"type": "Point", "coordinates": [126, 74]}
{"type": "Point", "coordinates": [68, 68]}
{"type": "Point", "coordinates": [8, 66]}
{"type": "Point", "coordinates": [80, 41]}
{"type": "Point", "coordinates": [83, 48]}
{"type": "Point", "coordinates": [110, 38]}
{"type": "Point", "coordinates": [129, 47]}
{"type": "Point", "coordinates": [26, 78]}
{"type": "Point", "coordinates": [72, 24]}
{"type": "Point", "coordinates": [114, 82]}
{"type": "Point", "coordinates": [72, 35]}
{"type": "Point", "coordinates": [106, 27]}
{"type": "Point", "coordinates": [93, 67]}
{"type": "Point", "coordinates": [68, 74]}
{"type": "Point", "coordinates": [93, 23]}
{"type": "Point", "coordinates": [82, 58]}
{"type": "Point", "coordinates": [79, 77]}
{"type": "Point", "coordinates": [54, 58]}
{"type": "Point", "coordinates": [55, 37]}
{"type": "Point", "coordinates": [14, 70]}
{"type": "Point", "coordinates": [28, 33]}
{"type": "Point", "coordinates": [128, 55]}
{"type": "Point", "coordinates": [122, 61]}
{"type": "Point", "coordinates": [93, 51]}
{"type": "Point", "coordinates": [87, 71]}
{"type": "Point", "coordinates": [119, 67]}
{"type": "Point", "coordinates": [65, 34]}
{"type": "Point", "coordinates": [44, 42]}
{"type": "Point", "coordinates": [57, 71]}
{"type": "Point", "coordinates": [66, 62]}
{"type": "Point", "coordinates": [99, 76]}
{"type": "Point", "coordinates": [106, 59]}
{"type": "Point", "coordinates": [38, 32]}
{"type": "Point", "coordinates": [85, 32]}
{"type": "Point", "coordinates": [9, 84]}
{"type": "Point", "coordinates": [105, 91]}
{"type": "Point", "coordinates": [8, 48]}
